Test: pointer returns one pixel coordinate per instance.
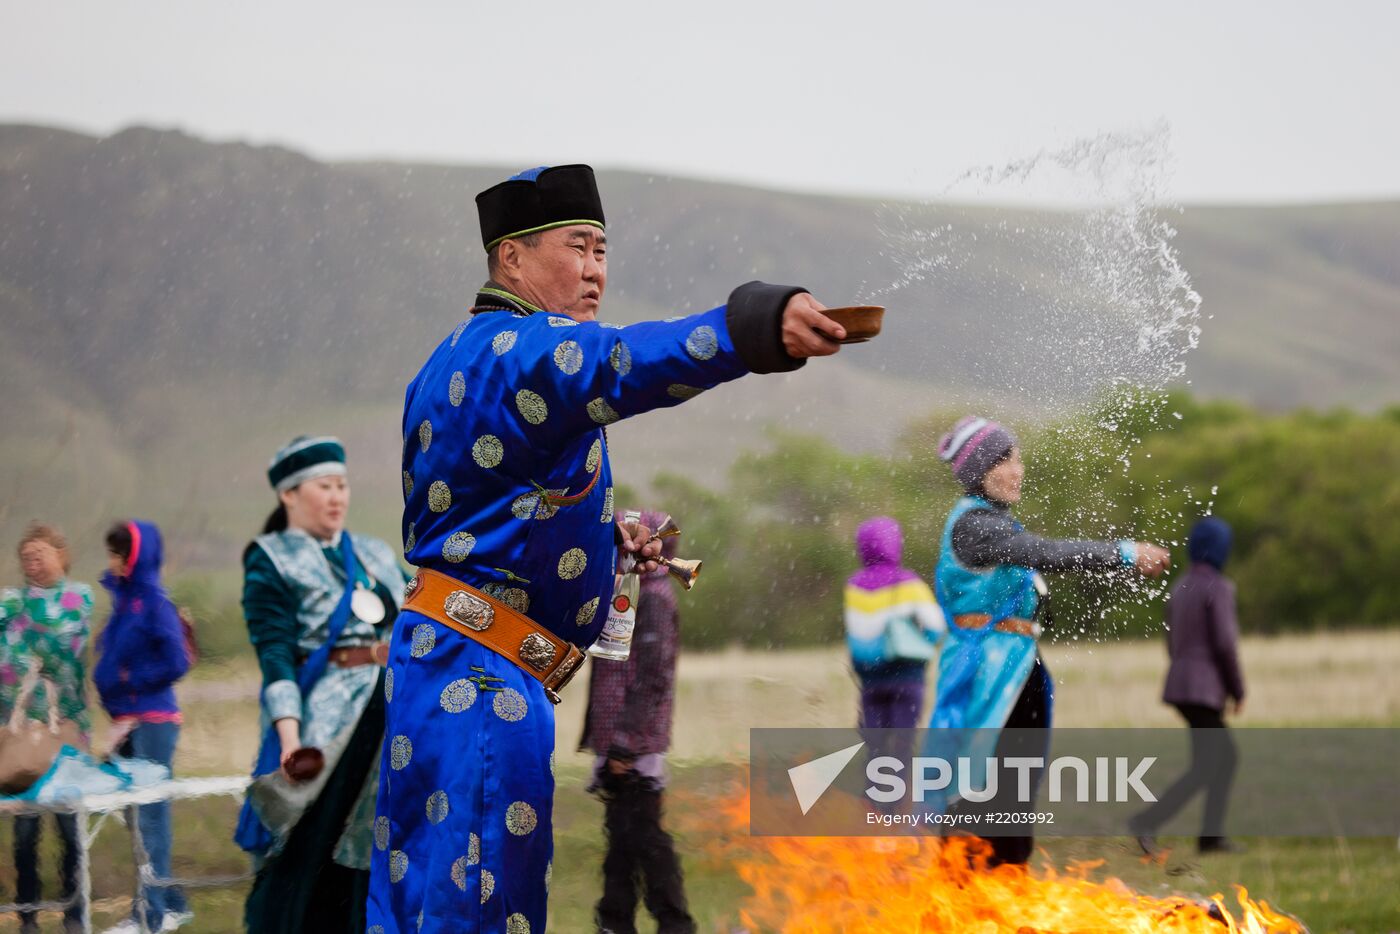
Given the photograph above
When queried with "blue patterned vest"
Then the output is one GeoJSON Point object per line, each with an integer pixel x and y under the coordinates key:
{"type": "Point", "coordinates": [964, 590]}
{"type": "Point", "coordinates": [300, 560]}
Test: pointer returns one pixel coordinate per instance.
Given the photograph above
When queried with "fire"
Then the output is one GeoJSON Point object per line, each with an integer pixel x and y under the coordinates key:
{"type": "Point", "coordinates": [869, 884]}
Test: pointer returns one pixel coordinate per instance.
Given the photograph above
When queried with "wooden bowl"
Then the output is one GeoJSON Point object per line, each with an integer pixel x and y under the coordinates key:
{"type": "Point", "coordinates": [305, 764]}
{"type": "Point", "coordinates": [861, 322]}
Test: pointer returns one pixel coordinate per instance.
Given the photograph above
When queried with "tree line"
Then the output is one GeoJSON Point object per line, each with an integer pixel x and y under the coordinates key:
{"type": "Point", "coordinates": [1313, 499]}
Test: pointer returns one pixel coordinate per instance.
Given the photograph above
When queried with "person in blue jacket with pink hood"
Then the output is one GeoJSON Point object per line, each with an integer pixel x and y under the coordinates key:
{"type": "Point", "coordinates": [142, 653]}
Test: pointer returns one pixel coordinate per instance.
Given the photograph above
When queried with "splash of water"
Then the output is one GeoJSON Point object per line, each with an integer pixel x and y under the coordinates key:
{"type": "Point", "coordinates": [1088, 314]}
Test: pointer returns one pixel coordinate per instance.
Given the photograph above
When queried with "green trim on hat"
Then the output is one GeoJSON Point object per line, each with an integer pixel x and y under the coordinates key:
{"type": "Point", "coordinates": [305, 459]}
{"type": "Point", "coordinates": [541, 229]}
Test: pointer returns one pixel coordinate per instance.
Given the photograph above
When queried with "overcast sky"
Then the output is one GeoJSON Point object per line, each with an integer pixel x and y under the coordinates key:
{"type": "Point", "coordinates": [1265, 101]}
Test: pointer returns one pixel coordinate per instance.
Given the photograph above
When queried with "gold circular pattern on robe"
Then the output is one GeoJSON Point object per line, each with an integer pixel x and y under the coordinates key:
{"type": "Point", "coordinates": [398, 865]}
{"type": "Point", "coordinates": [459, 872]}
{"type": "Point", "coordinates": [437, 807]}
{"type": "Point", "coordinates": [423, 640]}
{"type": "Point", "coordinates": [595, 454]}
{"type": "Point", "coordinates": [601, 412]}
{"type": "Point", "coordinates": [439, 496]}
{"type": "Point", "coordinates": [425, 435]}
{"type": "Point", "coordinates": [457, 334]}
{"type": "Point", "coordinates": [524, 505]}
{"type": "Point", "coordinates": [388, 688]}
{"type": "Point", "coordinates": [520, 818]}
{"type": "Point", "coordinates": [530, 506]}
{"type": "Point", "coordinates": [457, 388]}
{"type": "Point", "coordinates": [400, 752]}
{"type": "Point", "coordinates": [381, 833]}
{"type": "Point", "coordinates": [510, 705]}
{"type": "Point", "coordinates": [682, 391]}
{"type": "Point", "coordinates": [473, 850]}
{"type": "Point", "coordinates": [587, 612]}
{"type": "Point", "coordinates": [411, 540]}
{"type": "Point", "coordinates": [703, 343]}
{"type": "Point", "coordinates": [488, 451]}
{"type": "Point", "coordinates": [607, 515]}
{"type": "Point", "coordinates": [546, 509]}
{"type": "Point", "coordinates": [559, 321]}
{"type": "Point", "coordinates": [458, 696]}
{"type": "Point", "coordinates": [517, 924]}
{"type": "Point", "coordinates": [572, 563]}
{"type": "Point", "coordinates": [488, 885]}
{"type": "Point", "coordinates": [375, 929]}
{"type": "Point", "coordinates": [503, 342]}
{"type": "Point", "coordinates": [513, 597]}
{"type": "Point", "coordinates": [531, 406]}
{"type": "Point", "coordinates": [568, 357]}
{"type": "Point", "coordinates": [621, 359]}
{"type": "Point", "coordinates": [407, 484]}
{"type": "Point", "coordinates": [458, 546]}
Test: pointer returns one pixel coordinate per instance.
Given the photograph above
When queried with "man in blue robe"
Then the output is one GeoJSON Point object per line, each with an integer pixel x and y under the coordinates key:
{"type": "Point", "coordinates": [508, 490]}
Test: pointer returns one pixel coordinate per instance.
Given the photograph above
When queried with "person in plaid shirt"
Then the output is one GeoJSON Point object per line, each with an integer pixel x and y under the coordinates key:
{"type": "Point", "coordinates": [628, 727]}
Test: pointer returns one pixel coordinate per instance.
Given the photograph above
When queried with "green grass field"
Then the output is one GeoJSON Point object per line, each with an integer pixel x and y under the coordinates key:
{"type": "Point", "coordinates": [1333, 885]}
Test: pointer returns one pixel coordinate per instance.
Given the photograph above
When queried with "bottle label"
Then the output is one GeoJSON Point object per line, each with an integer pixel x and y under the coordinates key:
{"type": "Point", "coordinates": [615, 641]}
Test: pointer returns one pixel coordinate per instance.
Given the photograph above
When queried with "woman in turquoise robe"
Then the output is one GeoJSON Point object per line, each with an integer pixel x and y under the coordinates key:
{"type": "Point", "coordinates": [991, 675]}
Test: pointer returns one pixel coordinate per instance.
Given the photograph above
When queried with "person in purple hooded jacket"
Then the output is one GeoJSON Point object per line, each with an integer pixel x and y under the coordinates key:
{"type": "Point", "coordinates": [142, 653]}
{"type": "Point", "coordinates": [1202, 640]}
{"type": "Point", "coordinates": [893, 626]}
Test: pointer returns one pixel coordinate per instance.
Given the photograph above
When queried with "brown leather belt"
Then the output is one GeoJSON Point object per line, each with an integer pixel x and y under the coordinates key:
{"type": "Point", "coordinates": [507, 632]}
{"type": "Point", "coordinates": [1012, 624]}
{"type": "Point", "coordinates": [354, 656]}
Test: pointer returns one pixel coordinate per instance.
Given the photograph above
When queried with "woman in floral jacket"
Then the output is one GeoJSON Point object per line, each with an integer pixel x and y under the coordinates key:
{"type": "Point", "coordinates": [46, 624]}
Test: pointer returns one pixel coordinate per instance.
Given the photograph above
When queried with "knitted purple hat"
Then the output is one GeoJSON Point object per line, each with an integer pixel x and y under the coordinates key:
{"type": "Point", "coordinates": [973, 447]}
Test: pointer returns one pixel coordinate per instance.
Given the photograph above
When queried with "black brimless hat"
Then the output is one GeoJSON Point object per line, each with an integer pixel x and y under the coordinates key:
{"type": "Point", "coordinates": [539, 199]}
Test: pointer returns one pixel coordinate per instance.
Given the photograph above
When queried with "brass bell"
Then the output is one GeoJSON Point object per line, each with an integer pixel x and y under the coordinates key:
{"type": "Point", "coordinates": [666, 529]}
{"type": "Point", "coordinates": [682, 570]}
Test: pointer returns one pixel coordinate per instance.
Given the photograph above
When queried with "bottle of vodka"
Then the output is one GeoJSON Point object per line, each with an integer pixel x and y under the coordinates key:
{"type": "Point", "coordinates": [615, 641]}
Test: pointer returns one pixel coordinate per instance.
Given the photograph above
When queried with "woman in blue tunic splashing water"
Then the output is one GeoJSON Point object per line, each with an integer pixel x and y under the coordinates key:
{"type": "Point", "coordinates": [991, 675]}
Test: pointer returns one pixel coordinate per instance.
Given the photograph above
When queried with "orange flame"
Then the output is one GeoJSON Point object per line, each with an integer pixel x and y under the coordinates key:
{"type": "Point", "coordinates": [804, 885]}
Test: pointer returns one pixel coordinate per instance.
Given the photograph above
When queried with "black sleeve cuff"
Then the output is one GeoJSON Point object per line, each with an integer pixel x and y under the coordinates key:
{"type": "Point", "coordinates": [755, 321]}
{"type": "Point", "coordinates": [621, 755]}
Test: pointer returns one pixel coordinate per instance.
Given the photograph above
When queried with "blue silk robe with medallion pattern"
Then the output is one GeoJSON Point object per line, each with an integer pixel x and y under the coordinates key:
{"type": "Point", "coordinates": [504, 420]}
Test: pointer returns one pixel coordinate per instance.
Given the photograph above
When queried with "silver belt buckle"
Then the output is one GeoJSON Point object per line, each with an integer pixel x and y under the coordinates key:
{"type": "Point", "coordinates": [564, 672]}
{"type": "Point", "coordinates": [469, 610]}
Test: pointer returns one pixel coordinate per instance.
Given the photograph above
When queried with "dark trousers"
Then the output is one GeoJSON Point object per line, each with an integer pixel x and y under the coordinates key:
{"type": "Point", "coordinates": [639, 850]}
{"type": "Point", "coordinates": [1030, 712]}
{"type": "Point", "coordinates": [1213, 761]}
{"type": "Point", "coordinates": [28, 829]}
{"type": "Point", "coordinates": [891, 705]}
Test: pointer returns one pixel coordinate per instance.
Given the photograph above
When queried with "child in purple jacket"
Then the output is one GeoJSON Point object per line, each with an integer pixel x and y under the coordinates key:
{"type": "Point", "coordinates": [142, 653]}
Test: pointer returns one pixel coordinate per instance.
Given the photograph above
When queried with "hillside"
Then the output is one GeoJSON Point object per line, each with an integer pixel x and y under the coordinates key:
{"type": "Point", "coordinates": [175, 308]}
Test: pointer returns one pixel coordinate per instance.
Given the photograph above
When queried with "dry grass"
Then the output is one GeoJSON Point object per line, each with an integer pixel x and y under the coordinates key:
{"type": "Point", "coordinates": [1332, 679]}
{"type": "Point", "coordinates": [1325, 679]}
